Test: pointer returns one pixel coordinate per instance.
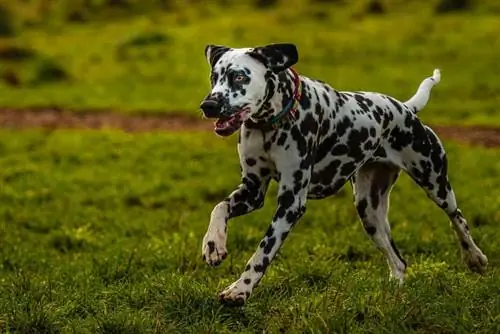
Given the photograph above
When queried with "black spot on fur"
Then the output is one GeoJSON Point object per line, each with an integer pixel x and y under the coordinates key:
{"type": "Point", "coordinates": [326, 98]}
{"type": "Point", "coordinates": [300, 140]}
{"type": "Point", "coordinates": [211, 247]}
{"type": "Point", "coordinates": [325, 127]}
{"type": "Point", "coordinates": [343, 125]}
{"type": "Point", "coordinates": [305, 101]}
{"type": "Point", "coordinates": [363, 102]}
{"type": "Point", "coordinates": [294, 215]}
{"type": "Point", "coordinates": [396, 104]}
{"type": "Point", "coordinates": [325, 147]}
{"type": "Point", "coordinates": [338, 184]}
{"type": "Point", "coordinates": [374, 196]}
{"type": "Point", "coordinates": [340, 149]}
{"type": "Point", "coordinates": [274, 136]}
{"type": "Point", "coordinates": [261, 268]}
{"type": "Point", "coordinates": [251, 178]}
{"type": "Point", "coordinates": [361, 207]}
{"type": "Point", "coordinates": [282, 139]}
{"type": "Point", "coordinates": [250, 162]}
{"type": "Point", "coordinates": [249, 196]}
{"type": "Point", "coordinates": [285, 201]}
{"type": "Point", "coordinates": [265, 172]}
{"type": "Point", "coordinates": [347, 168]}
{"type": "Point", "coordinates": [308, 125]}
{"type": "Point", "coordinates": [326, 175]}
{"type": "Point", "coordinates": [239, 209]}
{"type": "Point", "coordinates": [355, 140]}
{"type": "Point", "coordinates": [270, 232]}
{"type": "Point", "coordinates": [297, 178]}
{"type": "Point", "coordinates": [269, 245]}
{"type": "Point", "coordinates": [307, 161]}
{"type": "Point", "coordinates": [399, 139]}
{"type": "Point", "coordinates": [371, 230]}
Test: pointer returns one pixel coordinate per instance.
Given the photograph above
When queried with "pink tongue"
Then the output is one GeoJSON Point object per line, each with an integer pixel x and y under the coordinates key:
{"type": "Point", "coordinates": [225, 123]}
{"type": "Point", "coordinates": [222, 124]}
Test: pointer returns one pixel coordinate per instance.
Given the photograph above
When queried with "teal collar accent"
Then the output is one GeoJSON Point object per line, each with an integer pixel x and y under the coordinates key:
{"type": "Point", "coordinates": [290, 110]}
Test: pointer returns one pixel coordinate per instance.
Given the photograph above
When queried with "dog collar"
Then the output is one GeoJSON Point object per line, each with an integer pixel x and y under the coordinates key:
{"type": "Point", "coordinates": [289, 112]}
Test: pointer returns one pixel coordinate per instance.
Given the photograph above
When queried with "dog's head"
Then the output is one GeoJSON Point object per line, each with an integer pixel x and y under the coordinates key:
{"type": "Point", "coordinates": [242, 81]}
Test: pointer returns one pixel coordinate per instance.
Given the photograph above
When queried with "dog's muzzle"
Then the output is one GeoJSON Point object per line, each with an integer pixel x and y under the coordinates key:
{"type": "Point", "coordinates": [211, 108]}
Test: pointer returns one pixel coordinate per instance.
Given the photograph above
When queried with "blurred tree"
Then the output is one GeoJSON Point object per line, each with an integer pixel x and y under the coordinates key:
{"type": "Point", "coordinates": [10, 78]}
{"type": "Point", "coordinates": [6, 25]}
{"type": "Point", "coordinates": [44, 7]}
{"type": "Point", "coordinates": [118, 3]}
{"type": "Point", "coordinates": [12, 53]}
{"type": "Point", "coordinates": [265, 3]}
{"type": "Point", "coordinates": [48, 71]}
{"type": "Point", "coordinates": [328, 1]}
{"type": "Point", "coordinates": [445, 6]}
{"type": "Point", "coordinates": [375, 7]}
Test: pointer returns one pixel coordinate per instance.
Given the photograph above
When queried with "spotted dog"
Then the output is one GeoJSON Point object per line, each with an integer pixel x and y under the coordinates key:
{"type": "Point", "coordinates": [312, 139]}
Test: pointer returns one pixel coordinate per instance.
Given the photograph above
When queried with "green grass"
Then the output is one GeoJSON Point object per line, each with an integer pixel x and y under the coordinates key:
{"type": "Point", "coordinates": [112, 61]}
{"type": "Point", "coordinates": [101, 232]}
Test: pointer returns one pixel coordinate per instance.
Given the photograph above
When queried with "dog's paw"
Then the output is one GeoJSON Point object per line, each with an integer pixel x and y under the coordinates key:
{"type": "Point", "coordinates": [236, 294]}
{"type": "Point", "coordinates": [475, 260]}
{"type": "Point", "coordinates": [214, 249]}
{"type": "Point", "coordinates": [397, 278]}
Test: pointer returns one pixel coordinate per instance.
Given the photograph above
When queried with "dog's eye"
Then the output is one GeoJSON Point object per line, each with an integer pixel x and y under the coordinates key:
{"type": "Point", "coordinates": [239, 78]}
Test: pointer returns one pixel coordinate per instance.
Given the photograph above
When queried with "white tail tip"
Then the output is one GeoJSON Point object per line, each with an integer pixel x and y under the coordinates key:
{"type": "Point", "coordinates": [436, 75]}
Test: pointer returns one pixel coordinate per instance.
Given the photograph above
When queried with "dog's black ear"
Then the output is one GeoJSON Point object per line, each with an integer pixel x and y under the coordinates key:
{"type": "Point", "coordinates": [214, 52]}
{"type": "Point", "coordinates": [277, 57]}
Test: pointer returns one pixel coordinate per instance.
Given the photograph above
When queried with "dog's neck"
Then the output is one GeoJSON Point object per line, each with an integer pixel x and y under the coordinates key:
{"type": "Point", "coordinates": [282, 100]}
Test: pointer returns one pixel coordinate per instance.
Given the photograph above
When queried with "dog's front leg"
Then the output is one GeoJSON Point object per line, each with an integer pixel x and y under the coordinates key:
{"type": "Point", "coordinates": [292, 197]}
{"type": "Point", "coordinates": [249, 196]}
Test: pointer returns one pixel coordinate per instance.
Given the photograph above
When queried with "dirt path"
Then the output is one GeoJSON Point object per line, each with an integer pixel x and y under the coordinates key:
{"type": "Point", "coordinates": [53, 118]}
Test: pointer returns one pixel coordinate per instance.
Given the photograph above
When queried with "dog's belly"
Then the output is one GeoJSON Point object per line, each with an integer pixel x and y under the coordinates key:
{"type": "Point", "coordinates": [327, 179]}
{"type": "Point", "coordinates": [320, 191]}
{"type": "Point", "coordinates": [337, 160]}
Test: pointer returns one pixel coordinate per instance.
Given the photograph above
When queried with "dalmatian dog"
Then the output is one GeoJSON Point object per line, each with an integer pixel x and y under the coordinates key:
{"type": "Point", "coordinates": [312, 139]}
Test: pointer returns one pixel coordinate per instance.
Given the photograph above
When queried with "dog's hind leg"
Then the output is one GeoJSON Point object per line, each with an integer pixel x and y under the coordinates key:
{"type": "Point", "coordinates": [428, 167]}
{"type": "Point", "coordinates": [371, 186]}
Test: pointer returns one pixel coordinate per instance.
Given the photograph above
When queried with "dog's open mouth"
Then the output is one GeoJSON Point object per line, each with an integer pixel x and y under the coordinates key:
{"type": "Point", "coordinates": [227, 125]}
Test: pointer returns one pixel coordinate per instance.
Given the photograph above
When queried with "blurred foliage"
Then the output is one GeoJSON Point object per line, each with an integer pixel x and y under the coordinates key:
{"type": "Point", "coordinates": [44, 11]}
{"type": "Point", "coordinates": [6, 25]}
{"type": "Point", "coordinates": [148, 54]}
{"type": "Point", "coordinates": [23, 66]}
{"type": "Point", "coordinates": [445, 6]}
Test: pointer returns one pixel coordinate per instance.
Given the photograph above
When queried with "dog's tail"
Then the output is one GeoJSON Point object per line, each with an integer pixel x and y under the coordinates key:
{"type": "Point", "coordinates": [421, 97]}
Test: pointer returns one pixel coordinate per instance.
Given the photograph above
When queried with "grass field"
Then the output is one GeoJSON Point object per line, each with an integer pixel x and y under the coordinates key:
{"type": "Point", "coordinates": [101, 232]}
{"type": "Point", "coordinates": [152, 58]}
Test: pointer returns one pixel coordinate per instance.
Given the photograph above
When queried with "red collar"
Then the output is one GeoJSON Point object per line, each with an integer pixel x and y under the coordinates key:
{"type": "Point", "coordinates": [290, 110]}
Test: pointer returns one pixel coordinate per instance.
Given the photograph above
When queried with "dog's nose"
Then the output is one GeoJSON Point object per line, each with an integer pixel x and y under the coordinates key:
{"type": "Point", "coordinates": [211, 108]}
